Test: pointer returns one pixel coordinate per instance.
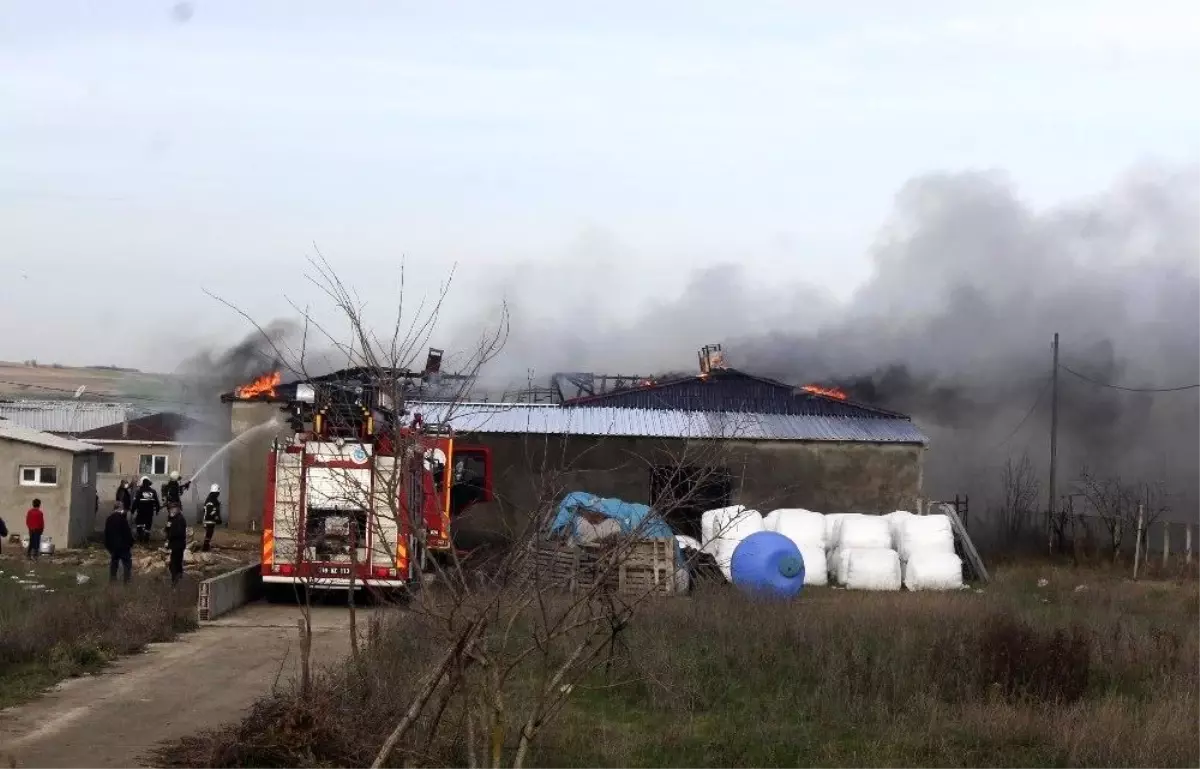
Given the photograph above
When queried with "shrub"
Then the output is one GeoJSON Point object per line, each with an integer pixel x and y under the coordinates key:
{"type": "Point", "coordinates": [1027, 662]}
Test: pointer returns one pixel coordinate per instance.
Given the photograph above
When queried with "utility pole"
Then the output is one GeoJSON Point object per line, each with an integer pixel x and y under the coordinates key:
{"type": "Point", "coordinates": [1053, 449]}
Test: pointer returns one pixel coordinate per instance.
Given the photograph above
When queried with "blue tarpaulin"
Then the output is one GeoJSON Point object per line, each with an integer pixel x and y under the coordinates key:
{"type": "Point", "coordinates": [630, 515]}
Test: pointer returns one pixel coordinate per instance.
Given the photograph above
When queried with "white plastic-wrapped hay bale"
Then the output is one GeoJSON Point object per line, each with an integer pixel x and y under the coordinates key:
{"type": "Point", "coordinates": [925, 534]}
{"type": "Point", "coordinates": [870, 569]}
{"type": "Point", "coordinates": [835, 565]}
{"type": "Point", "coordinates": [838, 562]}
{"type": "Point", "coordinates": [723, 530]}
{"type": "Point", "coordinates": [927, 570]}
{"type": "Point", "coordinates": [683, 580]}
{"type": "Point", "coordinates": [896, 522]}
{"type": "Point", "coordinates": [833, 527]}
{"type": "Point", "coordinates": [804, 527]}
{"type": "Point", "coordinates": [816, 571]}
{"type": "Point", "coordinates": [864, 532]}
{"type": "Point", "coordinates": [716, 522]}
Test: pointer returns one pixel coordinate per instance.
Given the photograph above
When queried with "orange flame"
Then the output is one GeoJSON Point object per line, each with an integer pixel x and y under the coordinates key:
{"type": "Point", "coordinates": [831, 392]}
{"type": "Point", "coordinates": [264, 385]}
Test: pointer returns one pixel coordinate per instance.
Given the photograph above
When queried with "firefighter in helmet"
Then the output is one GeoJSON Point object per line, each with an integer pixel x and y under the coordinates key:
{"type": "Point", "coordinates": [212, 514]}
{"type": "Point", "coordinates": [145, 506]}
{"type": "Point", "coordinates": [172, 490]}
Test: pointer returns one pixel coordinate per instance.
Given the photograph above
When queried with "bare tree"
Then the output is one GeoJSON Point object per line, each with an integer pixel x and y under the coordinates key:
{"type": "Point", "coordinates": [516, 620]}
{"type": "Point", "coordinates": [1020, 489]}
{"type": "Point", "coordinates": [1115, 503]}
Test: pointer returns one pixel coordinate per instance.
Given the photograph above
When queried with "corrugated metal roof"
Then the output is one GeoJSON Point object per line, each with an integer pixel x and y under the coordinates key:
{"type": "Point", "coordinates": [64, 416]}
{"type": "Point", "coordinates": [731, 390]}
{"type": "Point", "coordinates": [163, 426]}
{"type": "Point", "coordinates": [14, 432]}
{"type": "Point", "coordinates": [666, 423]}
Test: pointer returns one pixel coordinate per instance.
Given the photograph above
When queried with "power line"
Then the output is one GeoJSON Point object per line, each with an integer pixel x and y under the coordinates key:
{"type": "Point", "coordinates": [1025, 418]}
{"type": "Point", "coordinates": [1098, 383]}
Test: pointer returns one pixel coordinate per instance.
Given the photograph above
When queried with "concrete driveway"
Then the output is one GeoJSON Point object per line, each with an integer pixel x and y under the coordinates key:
{"type": "Point", "coordinates": [201, 680]}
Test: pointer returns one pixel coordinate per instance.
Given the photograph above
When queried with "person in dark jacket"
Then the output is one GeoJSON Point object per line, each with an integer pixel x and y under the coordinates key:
{"type": "Point", "coordinates": [212, 515]}
{"type": "Point", "coordinates": [3, 533]}
{"type": "Point", "coordinates": [118, 541]}
{"type": "Point", "coordinates": [172, 490]}
{"type": "Point", "coordinates": [145, 507]}
{"type": "Point", "coordinates": [176, 541]}
{"type": "Point", "coordinates": [124, 496]}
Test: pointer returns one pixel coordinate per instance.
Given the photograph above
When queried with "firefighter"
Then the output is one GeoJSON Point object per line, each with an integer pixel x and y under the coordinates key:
{"type": "Point", "coordinates": [145, 507]}
{"type": "Point", "coordinates": [124, 496]}
{"type": "Point", "coordinates": [172, 490]}
{"type": "Point", "coordinates": [212, 514]}
{"type": "Point", "coordinates": [176, 541]}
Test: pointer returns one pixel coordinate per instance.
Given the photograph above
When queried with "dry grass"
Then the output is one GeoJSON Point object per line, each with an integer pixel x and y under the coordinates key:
{"type": "Point", "coordinates": [77, 629]}
{"type": "Point", "coordinates": [1015, 675]}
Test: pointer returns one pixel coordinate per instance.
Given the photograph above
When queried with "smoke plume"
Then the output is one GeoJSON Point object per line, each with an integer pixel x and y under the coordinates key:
{"type": "Point", "coordinates": [954, 327]}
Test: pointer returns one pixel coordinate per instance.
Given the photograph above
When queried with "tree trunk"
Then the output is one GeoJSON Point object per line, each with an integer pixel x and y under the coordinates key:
{"type": "Point", "coordinates": [350, 594]}
{"type": "Point", "coordinates": [305, 627]}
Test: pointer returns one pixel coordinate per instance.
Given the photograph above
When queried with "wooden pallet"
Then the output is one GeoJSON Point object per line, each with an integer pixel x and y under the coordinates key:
{"type": "Point", "coordinates": [645, 566]}
{"type": "Point", "coordinates": [564, 566]}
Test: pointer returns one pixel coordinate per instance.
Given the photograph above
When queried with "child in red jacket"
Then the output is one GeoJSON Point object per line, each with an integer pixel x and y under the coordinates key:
{"type": "Point", "coordinates": [35, 521]}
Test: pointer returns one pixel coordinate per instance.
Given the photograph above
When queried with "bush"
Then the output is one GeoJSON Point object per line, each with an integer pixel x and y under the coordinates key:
{"type": "Point", "coordinates": [79, 630]}
{"type": "Point", "coordinates": [1038, 664]}
{"type": "Point", "coordinates": [1017, 676]}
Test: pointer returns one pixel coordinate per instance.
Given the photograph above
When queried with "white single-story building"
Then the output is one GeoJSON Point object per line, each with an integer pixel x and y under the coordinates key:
{"type": "Point", "coordinates": [61, 472]}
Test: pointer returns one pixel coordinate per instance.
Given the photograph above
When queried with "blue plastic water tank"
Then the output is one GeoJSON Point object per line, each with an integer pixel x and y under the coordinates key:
{"type": "Point", "coordinates": [768, 563]}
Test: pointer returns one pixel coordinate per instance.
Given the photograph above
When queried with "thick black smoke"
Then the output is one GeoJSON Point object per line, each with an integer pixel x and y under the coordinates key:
{"type": "Point", "coordinates": [213, 372]}
{"type": "Point", "coordinates": [954, 326]}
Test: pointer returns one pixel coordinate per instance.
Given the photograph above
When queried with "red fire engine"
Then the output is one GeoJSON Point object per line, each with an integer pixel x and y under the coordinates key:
{"type": "Point", "coordinates": [360, 497]}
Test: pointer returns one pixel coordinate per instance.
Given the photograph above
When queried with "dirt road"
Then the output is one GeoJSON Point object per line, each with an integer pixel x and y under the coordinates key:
{"type": "Point", "coordinates": [201, 680]}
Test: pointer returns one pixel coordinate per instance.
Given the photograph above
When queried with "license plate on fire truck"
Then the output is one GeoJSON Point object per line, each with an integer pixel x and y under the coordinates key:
{"type": "Point", "coordinates": [333, 571]}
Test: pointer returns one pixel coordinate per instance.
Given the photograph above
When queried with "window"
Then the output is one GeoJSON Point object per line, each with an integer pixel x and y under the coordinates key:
{"type": "Point", "coordinates": [152, 464]}
{"type": "Point", "coordinates": [46, 475]}
{"type": "Point", "coordinates": [83, 475]}
{"type": "Point", "coordinates": [105, 462]}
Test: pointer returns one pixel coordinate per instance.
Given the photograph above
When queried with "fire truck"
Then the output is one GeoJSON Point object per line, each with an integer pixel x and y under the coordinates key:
{"type": "Point", "coordinates": [364, 493]}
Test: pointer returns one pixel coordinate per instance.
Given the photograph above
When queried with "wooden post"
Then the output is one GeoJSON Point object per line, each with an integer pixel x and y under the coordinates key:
{"type": "Point", "coordinates": [968, 546]}
{"type": "Point", "coordinates": [1166, 542]}
{"type": "Point", "coordinates": [1187, 544]}
{"type": "Point", "coordinates": [1050, 509]}
{"type": "Point", "coordinates": [1137, 541]}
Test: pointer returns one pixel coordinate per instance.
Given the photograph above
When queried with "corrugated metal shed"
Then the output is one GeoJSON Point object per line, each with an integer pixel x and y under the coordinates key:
{"type": "Point", "coordinates": [64, 416]}
{"type": "Point", "coordinates": [13, 432]}
{"type": "Point", "coordinates": [666, 423]}
{"type": "Point", "coordinates": [730, 390]}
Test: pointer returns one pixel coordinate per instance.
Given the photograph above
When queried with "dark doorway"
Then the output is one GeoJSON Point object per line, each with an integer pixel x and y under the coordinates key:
{"type": "Point", "coordinates": [682, 494]}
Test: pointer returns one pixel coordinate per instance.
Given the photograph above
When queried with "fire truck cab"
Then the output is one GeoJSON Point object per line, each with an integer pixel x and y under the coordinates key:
{"type": "Point", "coordinates": [361, 498]}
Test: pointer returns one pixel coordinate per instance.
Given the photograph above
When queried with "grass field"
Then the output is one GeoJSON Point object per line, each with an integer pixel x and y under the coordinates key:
{"type": "Point", "coordinates": [66, 629]}
{"type": "Point", "coordinates": [1089, 670]}
{"type": "Point", "coordinates": [46, 381]}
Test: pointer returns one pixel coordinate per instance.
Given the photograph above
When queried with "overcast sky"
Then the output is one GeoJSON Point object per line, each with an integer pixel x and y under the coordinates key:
{"type": "Point", "coordinates": [149, 152]}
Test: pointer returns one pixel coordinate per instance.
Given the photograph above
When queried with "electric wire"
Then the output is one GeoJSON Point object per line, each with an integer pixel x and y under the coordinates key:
{"type": "Point", "coordinates": [1024, 419]}
{"type": "Point", "coordinates": [1098, 383]}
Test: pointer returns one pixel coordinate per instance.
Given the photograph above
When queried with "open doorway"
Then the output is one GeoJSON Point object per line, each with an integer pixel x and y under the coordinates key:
{"type": "Point", "coordinates": [681, 494]}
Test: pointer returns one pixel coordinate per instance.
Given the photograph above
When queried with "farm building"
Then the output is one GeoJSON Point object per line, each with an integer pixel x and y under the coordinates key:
{"type": "Point", "coordinates": [693, 444]}
{"type": "Point", "coordinates": [155, 445]}
{"type": "Point", "coordinates": [683, 445]}
{"type": "Point", "coordinates": [59, 471]}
